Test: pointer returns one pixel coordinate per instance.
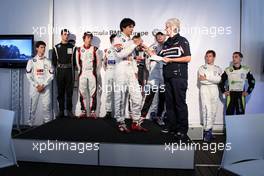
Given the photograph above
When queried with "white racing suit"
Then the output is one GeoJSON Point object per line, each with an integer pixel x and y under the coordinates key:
{"type": "Point", "coordinates": [209, 93]}
{"type": "Point", "coordinates": [110, 71]}
{"type": "Point", "coordinates": [126, 79]}
{"type": "Point", "coordinates": [87, 66]}
{"type": "Point", "coordinates": [40, 71]}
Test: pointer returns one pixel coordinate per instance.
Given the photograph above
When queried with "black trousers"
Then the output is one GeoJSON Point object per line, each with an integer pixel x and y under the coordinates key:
{"type": "Point", "coordinates": [142, 74]}
{"type": "Point", "coordinates": [235, 103]}
{"type": "Point", "coordinates": [148, 101]}
{"type": "Point", "coordinates": [176, 107]}
{"type": "Point", "coordinates": [65, 83]}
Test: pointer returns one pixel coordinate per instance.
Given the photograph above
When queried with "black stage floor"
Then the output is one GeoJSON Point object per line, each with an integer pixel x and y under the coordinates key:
{"type": "Point", "coordinates": [99, 130]}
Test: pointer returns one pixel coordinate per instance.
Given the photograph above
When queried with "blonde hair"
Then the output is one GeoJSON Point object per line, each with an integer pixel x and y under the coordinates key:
{"type": "Point", "coordinates": [175, 23]}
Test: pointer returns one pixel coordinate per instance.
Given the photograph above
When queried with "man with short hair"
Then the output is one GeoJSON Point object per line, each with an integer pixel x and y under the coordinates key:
{"type": "Point", "coordinates": [87, 62]}
{"type": "Point", "coordinates": [40, 74]}
{"type": "Point", "coordinates": [140, 56]}
{"type": "Point", "coordinates": [235, 89]}
{"type": "Point", "coordinates": [62, 59]}
{"type": "Point", "coordinates": [155, 83]}
{"type": "Point", "coordinates": [126, 77]}
{"type": "Point", "coordinates": [109, 65]}
{"type": "Point", "coordinates": [209, 75]}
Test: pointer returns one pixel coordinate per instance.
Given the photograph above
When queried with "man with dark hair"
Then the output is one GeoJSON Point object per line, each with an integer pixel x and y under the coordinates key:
{"type": "Point", "coordinates": [155, 83]}
{"type": "Point", "coordinates": [235, 92]}
{"type": "Point", "coordinates": [126, 22]}
{"type": "Point", "coordinates": [238, 53]}
{"type": "Point", "coordinates": [209, 75]}
{"type": "Point", "coordinates": [126, 77]}
{"type": "Point", "coordinates": [109, 65]}
{"type": "Point", "coordinates": [38, 43]}
{"type": "Point", "coordinates": [87, 62]}
{"type": "Point", "coordinates": [40, 73]}
{"type": "Point", "coordinates": [62, 59]}
{"type": "Point", "coordinates": [140, 56]}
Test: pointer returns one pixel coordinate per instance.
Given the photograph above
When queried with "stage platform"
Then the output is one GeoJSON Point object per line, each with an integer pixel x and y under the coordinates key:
{"type": "Point", "coordinates": [98, 142]}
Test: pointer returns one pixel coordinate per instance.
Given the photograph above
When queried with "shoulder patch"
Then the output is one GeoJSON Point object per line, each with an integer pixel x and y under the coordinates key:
{"type": "Point", "coordinates": [245, 67]}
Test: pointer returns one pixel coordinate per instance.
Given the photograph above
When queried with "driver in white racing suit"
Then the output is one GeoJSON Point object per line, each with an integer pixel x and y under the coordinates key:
{"type": "Point", "coordinates": [209, 75]}
{"type": "Point", "coordinates": [126, 78]}
{"type": "Point", "coordinates": [109, 65]}
{"type": "Point", "coordinates": [87, 62]}
{"type": "Point", "coordinates": [40, 73]}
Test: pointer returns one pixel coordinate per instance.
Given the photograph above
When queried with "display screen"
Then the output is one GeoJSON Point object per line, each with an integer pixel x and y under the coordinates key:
{"type": "Point", "coordinates": [15, 49]}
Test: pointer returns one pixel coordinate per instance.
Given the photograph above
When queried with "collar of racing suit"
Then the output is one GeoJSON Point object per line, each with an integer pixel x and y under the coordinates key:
{"type": "Point", "coordinates": [125, 36]}
{"type": "Point", "coordinates": [40, 58]}
{"type": "Point", "coordinates": [236, 68]}
{"type": "Point", "coordinates": [209, 65]}
{"type": "Point", "coordinates": [87, 47]}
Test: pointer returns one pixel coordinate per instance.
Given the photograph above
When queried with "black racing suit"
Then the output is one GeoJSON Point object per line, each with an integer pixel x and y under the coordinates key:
{"type": "Point", "coordinates": [63, 61]}
{"type": "Point", "coordinates": [142, 69]}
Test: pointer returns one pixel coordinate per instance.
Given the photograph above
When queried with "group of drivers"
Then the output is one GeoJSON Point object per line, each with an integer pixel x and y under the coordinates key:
{"type": "Point", "coordinates": [137, 77]}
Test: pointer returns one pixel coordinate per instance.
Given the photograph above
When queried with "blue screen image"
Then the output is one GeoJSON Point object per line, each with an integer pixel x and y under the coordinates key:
{"type": "Point", "coordinates": [15, 49]}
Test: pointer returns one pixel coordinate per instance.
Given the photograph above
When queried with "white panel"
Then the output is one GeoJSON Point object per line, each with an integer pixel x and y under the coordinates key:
{"type": "Point", "coordinates": [252, 47]}
{"type": "Point", "coordinates": [148, 156]}
{"type": "Point", "coordinates": [55, 152]}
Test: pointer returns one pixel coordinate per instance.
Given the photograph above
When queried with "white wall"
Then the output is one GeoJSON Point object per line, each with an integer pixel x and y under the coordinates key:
{"type": "Point", "coordinates": [252, 46]}
{"type": "Point", "coordinates": [100, 15]}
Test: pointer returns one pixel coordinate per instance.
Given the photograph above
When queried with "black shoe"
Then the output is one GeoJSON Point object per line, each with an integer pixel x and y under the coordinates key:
{"type": "Point", "coordinates": [159, 121]}
{"type": "Point", "coordinates": [108, 115]}
{"type": "Point", "coordinates": [60, 115]}
{"type": "Point", "coordinates": [165, 130]}
{"type": "Point", "coordinates": [70, 114]}
{"type": "Point", "coordinates": [182, 137]}
{"type": "Point", "coordinates": [208, 136]}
